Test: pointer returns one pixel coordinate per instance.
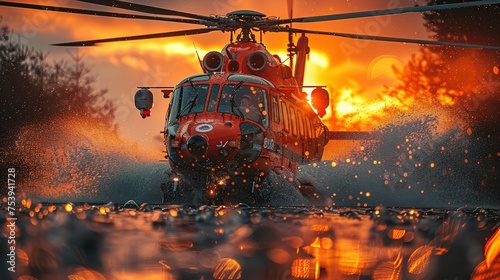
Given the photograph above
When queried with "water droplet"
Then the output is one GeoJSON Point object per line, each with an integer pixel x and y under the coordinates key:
{"type": "Point", "coordinates": [68, 207]}
{"type": "Point", "coordinates": [469, 131]}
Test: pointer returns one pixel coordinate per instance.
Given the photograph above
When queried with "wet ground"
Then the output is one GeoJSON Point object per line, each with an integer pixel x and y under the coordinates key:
{"type": "Point", "coordinates": [131, 241]}
{"type": "Point", "coordinates": [440, 219]}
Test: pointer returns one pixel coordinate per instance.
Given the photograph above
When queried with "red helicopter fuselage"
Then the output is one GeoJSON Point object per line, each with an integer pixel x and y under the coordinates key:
{"type": "Point", "coordinates": [243, 118]}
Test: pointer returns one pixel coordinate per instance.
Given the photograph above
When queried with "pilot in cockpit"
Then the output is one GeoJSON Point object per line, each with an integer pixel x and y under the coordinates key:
{"type": "Point", "coordinates": [248, 109]}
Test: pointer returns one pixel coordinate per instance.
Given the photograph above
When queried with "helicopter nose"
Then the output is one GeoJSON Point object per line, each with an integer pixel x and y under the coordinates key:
{"type": "Point", "coordinates": [197, 145]}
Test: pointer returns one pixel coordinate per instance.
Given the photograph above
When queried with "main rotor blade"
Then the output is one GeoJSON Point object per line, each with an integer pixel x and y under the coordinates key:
{"type": "Point", "coordinates": [289, 5]}
{"type": "Point", "coordinates": [388, 39]}
{"type": "Point", "coordinates": [138, 37]}
{"type": "Point", "coordinates": [147, 9]}
{"type": "Point", "coordinates": [380, 12]}
{"type": "Point", "coordinates": [93, 12]}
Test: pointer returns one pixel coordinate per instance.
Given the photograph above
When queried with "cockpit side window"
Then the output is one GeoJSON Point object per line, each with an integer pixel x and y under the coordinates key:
{"type": "Point", "coordinates": [174, 105]}
{"type": "Point", "coordinates": [193, 99]}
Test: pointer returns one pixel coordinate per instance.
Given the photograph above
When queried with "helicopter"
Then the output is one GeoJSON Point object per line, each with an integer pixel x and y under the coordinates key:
{"type": "Point", "coordinates": [246, 116]}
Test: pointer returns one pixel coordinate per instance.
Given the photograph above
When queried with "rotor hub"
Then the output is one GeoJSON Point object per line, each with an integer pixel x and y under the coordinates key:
{"type": "Point", "coordinates": [246, 15]}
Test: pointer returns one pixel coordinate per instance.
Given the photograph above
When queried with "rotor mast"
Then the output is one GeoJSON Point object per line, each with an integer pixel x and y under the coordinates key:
{"type": "Point", "coordinates": [244, 19]}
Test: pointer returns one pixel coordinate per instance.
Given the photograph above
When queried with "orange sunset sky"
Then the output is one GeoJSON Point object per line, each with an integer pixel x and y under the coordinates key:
{"type": "Point", "coordinates": [358, 69]}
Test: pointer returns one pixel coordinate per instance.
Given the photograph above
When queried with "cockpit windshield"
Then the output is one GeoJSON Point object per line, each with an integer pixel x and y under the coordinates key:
{"type": "Point", "coordinates": [247, 101]}
{"type": "Point", "coordinates": [243, 100]}
{"type": "Point", "coordinates": [188, 100]}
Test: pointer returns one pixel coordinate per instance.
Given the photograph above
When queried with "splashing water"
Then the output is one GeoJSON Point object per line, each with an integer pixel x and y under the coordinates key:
{"type": "Point", "coordinates": [79, 161]}
{"type": "Point", "coordinates": [425, 161]}
{"type": "Point", "coordinates": [73, 160]}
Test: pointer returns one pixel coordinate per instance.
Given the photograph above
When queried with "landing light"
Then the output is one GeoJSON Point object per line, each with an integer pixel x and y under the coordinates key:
{"type": "Point", "coordinates": [145, 113]}
{"type": "Point", "coordinates": [176, 183]}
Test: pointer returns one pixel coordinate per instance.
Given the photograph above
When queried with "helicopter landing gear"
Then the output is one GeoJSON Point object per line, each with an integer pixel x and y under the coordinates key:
{"type": "Point", "coordinates": [170, 190]}
{"type": "Point", "coordinates": [169, 194]}
{"type": "Point", "coordinates": [215, 190]}
{"type": "Point", "coordinates": [264, 187]}
{"type": "Point", "coordinates": [307, 190]}
{"type": "Point", "coordinates": [214, 195]}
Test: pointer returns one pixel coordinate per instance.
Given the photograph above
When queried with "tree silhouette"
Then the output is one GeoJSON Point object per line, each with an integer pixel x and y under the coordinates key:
{"type": "Point", "coordinates": [37, 94]}
{"type": "Point", "coordinates": [34, 91]}
{"type": "Point", "coordinates": [465, 80]}
{"type": "Point", "coordinates": [462, 78]}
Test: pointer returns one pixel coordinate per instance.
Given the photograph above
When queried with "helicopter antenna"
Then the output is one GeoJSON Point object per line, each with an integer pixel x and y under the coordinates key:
{"type": "Point", "coordinates": [291, 46]}
{"type": "Point", "coordinates": [199, 60]}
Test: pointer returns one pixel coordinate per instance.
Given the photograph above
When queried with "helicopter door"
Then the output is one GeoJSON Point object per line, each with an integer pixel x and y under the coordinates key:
{"type": "Point", "coordinates": [285, 132]}
{"type": "Point", "coordinates": [292, 145]}
{"type": "Point", "coordinates": [301, 134]}
{"type": "Point", "coordinates": [276, 128]}
{"type": "Point", "coordinates": [297, 150]}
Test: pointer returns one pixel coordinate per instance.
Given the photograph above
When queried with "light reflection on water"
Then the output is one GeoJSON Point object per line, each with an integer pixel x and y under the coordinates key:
{"type": "Point", "coordinates": [69, 241]}
{"type": "Point", "coordinates": [411, 167]}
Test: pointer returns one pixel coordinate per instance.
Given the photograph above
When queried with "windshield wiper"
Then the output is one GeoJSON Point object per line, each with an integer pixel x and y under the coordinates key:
{"type": "Point", "coordinates": [233, 94]}
{"type": "Point", "coordinates": [190, 104]}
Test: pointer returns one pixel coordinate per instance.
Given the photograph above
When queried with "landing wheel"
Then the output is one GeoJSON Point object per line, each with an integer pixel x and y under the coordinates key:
{"type": "Point", "coordinates": [220, 198]}
{"type": "Point", "coordinates": [214, 195]}
{"type": "Point", "coordinates": [307, 190]}
{"type": "Point", "coordinates": [262, 195]}
{"type": "Point", "coordinates": [306, 187]}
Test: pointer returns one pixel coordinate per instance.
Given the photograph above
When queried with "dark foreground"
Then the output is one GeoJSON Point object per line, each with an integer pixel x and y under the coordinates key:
{"type": "Point", "coordinates": [128, 241]}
